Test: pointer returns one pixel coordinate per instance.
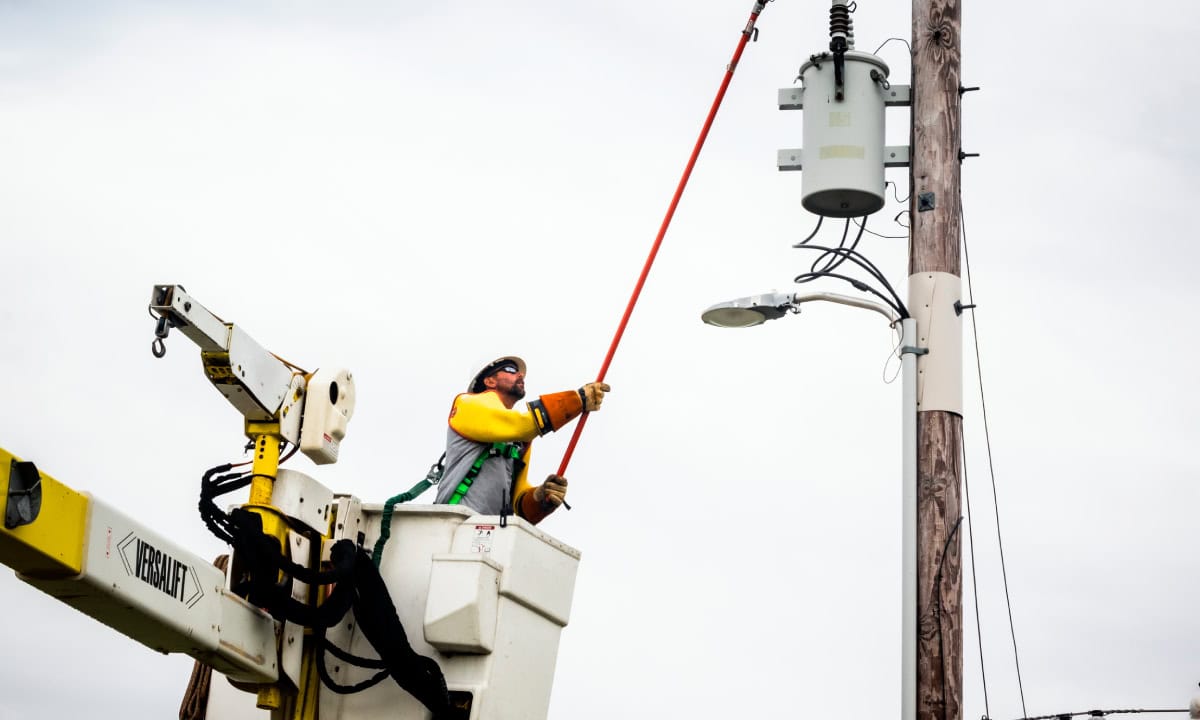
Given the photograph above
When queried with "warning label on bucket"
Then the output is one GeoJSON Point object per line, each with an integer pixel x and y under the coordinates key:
{"type": "Point", "coordinates": [482, 542]}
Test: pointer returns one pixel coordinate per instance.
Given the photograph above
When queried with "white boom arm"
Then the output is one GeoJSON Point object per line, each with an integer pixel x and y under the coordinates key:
{"type": "Point", "coordinates": [259, 384]}
{"type": "Point", "coordinates": [251, 378]}
{"type": "Point", "coordinates": [141, 584]}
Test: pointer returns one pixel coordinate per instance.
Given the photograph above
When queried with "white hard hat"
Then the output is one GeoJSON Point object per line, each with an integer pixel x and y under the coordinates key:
{"type": "Point", "coordinates": [486, 371]}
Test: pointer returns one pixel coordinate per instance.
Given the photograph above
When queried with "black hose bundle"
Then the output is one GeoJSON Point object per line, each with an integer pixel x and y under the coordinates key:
{"type": "Point", "coordinates": [357, 584]}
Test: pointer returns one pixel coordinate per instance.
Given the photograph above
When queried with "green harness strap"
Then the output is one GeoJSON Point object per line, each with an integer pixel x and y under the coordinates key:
{"type": "Point", "coordinates": [505, 450]}
{"type": "Point", "coordinates": [508, 450]}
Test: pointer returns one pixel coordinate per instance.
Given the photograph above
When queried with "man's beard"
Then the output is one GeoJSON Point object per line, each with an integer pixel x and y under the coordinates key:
{"type": "Point", "coordinates": [516, 390]}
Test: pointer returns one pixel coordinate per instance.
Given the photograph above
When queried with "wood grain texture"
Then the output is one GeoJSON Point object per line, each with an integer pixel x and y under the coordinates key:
{"type": "Point", "coordinates": [939, 605]}
{"type": "Point", "coordinates": [936, 135]}
{"type": "Point", "coordinates": [935, 168]}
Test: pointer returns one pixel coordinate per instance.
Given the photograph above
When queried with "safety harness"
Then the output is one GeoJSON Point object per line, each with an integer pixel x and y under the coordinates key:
{"type": "Point", "coordinates": [510, 450]}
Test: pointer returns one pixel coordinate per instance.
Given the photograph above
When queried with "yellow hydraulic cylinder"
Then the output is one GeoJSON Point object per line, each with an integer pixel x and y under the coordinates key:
{"type": "Point", "coordinates": [265, 467]}
{"type": "Point", "coordinates": [266, 464]}
{"type": "Point", "coordinates": [270, 697]}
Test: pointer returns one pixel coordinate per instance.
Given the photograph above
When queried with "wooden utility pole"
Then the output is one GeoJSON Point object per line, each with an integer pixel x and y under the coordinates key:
{"type": "Point", "coordinates": [935, 221]}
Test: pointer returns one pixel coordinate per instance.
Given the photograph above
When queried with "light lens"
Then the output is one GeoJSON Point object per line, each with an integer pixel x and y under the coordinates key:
{"type": "Point", "coordinates": [731, 317]}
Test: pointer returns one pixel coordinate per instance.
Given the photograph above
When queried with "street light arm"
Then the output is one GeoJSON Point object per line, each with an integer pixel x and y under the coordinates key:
{"type": "Point", "coordinates": [840, 299]}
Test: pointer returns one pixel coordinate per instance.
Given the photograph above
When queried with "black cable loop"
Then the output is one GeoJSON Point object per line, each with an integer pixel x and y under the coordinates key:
{"type": "Point", "coordinates": [237, 528]}
{"type": "Point", "coordinates": [213, 515]}
{"type": "Point", "coordinates": [325, 645]}
{"type": "Point", "coordinates": [841, 245]}
{"type": "Point", "coordinates": [860, 260]}
{"type": "Point", "coordinates": [356, 583]}
{"type": "Point", "coordinates": [853, 255]}
{"type": "Point", "coordinates": [991, 464]}
{"type": "Point", "coordinates": [340, 689]}
{"type": "Point", "coordinates": [833, 263]}
{"type": "Point", "coordinates": [360, 661]}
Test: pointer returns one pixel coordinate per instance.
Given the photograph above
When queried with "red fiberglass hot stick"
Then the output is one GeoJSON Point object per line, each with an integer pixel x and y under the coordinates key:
{"type": "Point", "coordinates": [747, 34]}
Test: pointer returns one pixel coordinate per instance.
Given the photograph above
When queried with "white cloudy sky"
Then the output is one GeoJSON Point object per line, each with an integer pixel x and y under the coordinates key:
{"type": "Point", "coordinates": [407, 189]}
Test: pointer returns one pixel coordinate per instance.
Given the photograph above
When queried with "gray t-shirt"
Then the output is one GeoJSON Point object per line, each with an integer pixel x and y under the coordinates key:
{"type": "Point", "coordinates": [493, 483]}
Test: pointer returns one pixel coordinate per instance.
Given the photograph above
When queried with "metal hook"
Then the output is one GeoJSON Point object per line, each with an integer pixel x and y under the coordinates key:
{"type": "Point", "coordinates": [161, 329]}
{"type": "Point", "coordinates": [434, 476]}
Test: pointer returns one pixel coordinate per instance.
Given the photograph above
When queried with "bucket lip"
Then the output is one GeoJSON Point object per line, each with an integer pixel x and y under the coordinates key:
{"type": "Point", "coordinates": [826, 57]}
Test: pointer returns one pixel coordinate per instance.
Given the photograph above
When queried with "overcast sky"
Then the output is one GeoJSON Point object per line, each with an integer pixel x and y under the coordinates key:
{"type": "Point", "coordinates": [410, 189]}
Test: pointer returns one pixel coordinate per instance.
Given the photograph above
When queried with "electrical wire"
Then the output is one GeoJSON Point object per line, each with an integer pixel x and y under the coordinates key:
{"type": "Point", "coordinates": [850, 254]}
{"type": "Point", "coordinates": [937, 585]}
{"type": "Point", "coordinates": [894, 354]}
{"type": "Point", "coordinates": [885, 42]}
{"type": "Point", "coordinates": [749, 31]}
{"type": "Point", "coordinates": [886, 237]}
{"type": "Point", "coordinates": [987, 711]}
{"type": "Point", "coordinates": [858, 259]}
{"type": "Point", "coordinates": [1099, 713]}
{"type": "Point", "coordinates": [811, 235]}
{"type": "Point", "coordinates": [832, 263]}
{"type": "Point", "coordinates": [844, 253]}
{"type": "Point", "coordinates": [991, 464]}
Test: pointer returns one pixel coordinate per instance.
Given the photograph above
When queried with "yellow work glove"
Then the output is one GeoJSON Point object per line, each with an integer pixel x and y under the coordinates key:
{"type": "Point", "coordinates": [592, 395]}
{"type": "Point", "coordinates": [551, 493]}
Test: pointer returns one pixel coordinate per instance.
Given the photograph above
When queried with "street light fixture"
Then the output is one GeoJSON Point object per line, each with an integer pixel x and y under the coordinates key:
{"type": "Point", "coordinates": [757, 309]}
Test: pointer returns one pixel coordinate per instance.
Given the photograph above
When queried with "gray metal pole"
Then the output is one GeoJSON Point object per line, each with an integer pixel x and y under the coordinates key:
{"type": "Point", "coordinates": [908, 531]}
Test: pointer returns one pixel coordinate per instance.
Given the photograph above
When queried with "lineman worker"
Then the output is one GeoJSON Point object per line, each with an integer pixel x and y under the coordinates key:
{"type": "Point", "coordinates": [487, 442]}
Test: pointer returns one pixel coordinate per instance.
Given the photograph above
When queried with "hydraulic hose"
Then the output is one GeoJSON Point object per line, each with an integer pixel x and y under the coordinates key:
{"type": "Point", "coordinates": [747, 34]}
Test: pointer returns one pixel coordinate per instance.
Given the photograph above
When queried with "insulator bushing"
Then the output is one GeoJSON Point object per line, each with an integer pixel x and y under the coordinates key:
{"type": "Point", "coordinates": [840, 23]}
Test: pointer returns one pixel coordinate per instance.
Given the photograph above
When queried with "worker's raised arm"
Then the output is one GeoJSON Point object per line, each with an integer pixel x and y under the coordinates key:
{"type": "Point", "coordinates": [482, 417]}
{"type": "Point", "coordinates": [553, 411]}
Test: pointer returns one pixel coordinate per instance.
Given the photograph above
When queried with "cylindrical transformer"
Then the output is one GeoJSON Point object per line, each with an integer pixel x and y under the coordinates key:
{"type": "Point", "coordinates": [842, 157]}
